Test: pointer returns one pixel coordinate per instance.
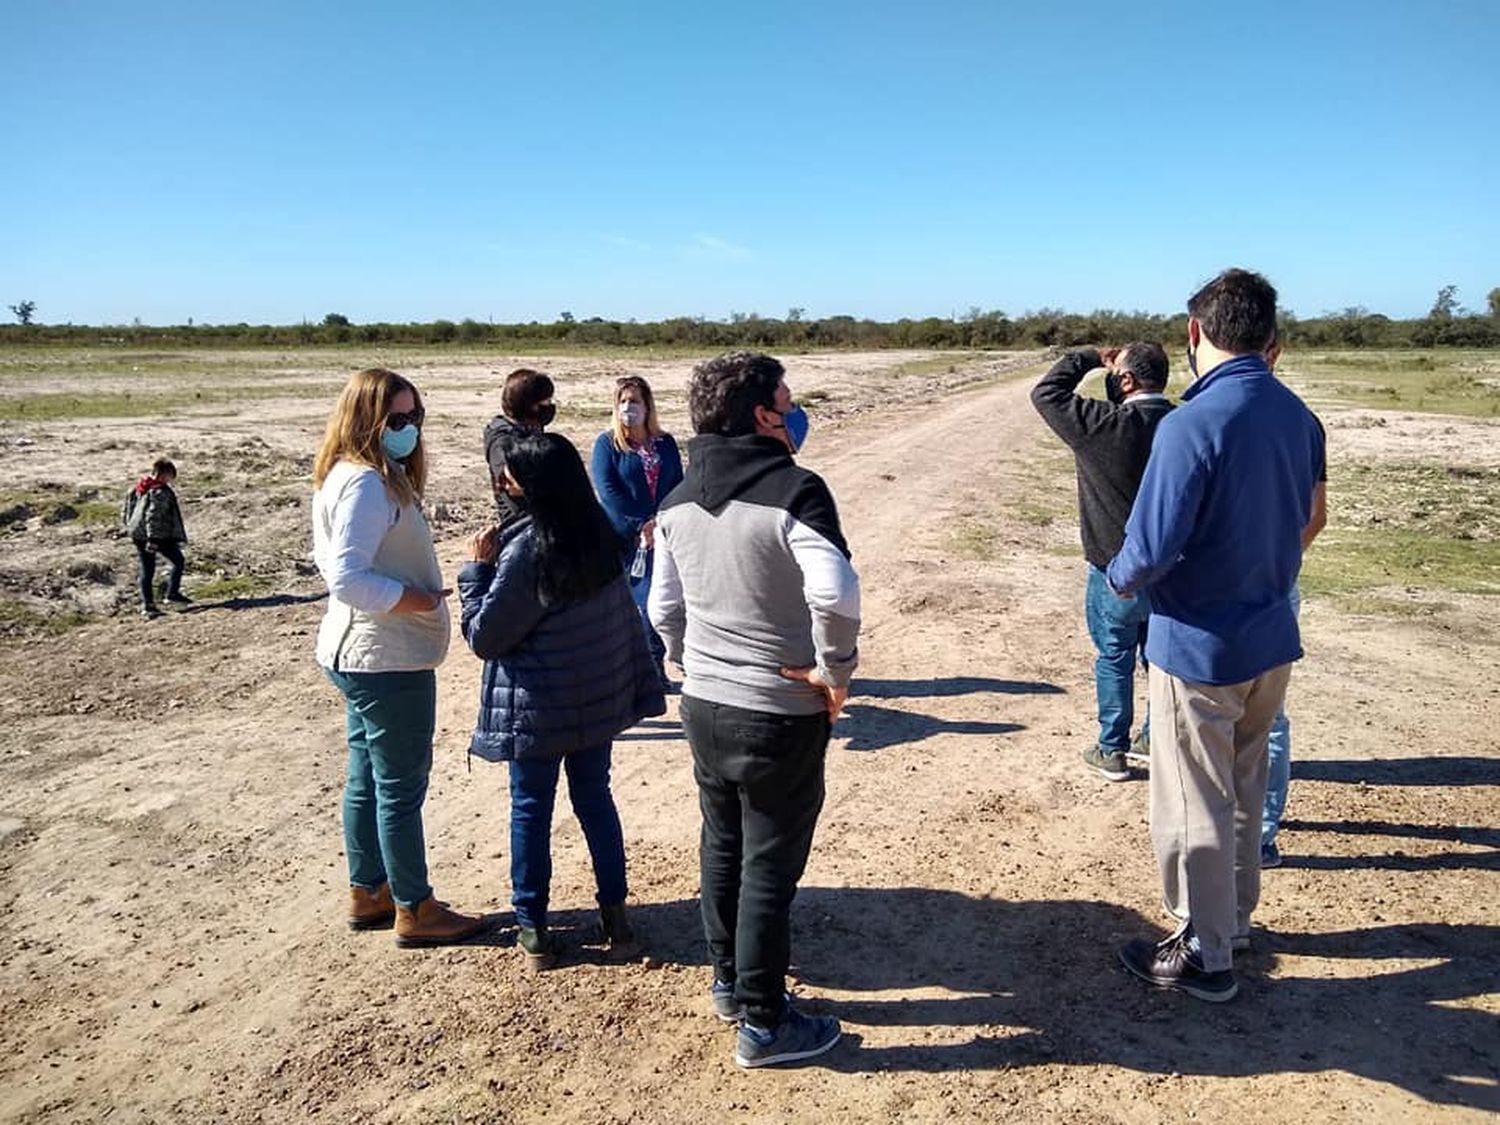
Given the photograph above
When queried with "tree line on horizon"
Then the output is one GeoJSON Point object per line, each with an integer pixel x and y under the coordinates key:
{"type": "Point", "coordinates": [1446, 325]}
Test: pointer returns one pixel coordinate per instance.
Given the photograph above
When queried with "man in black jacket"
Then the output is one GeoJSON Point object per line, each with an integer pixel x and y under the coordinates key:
{"type": "Point", "coordinates": [1111, 441]}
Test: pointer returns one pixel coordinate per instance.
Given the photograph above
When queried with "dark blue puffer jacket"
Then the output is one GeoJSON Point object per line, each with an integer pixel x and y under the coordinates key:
{"type": "Point", "coordinates": [556, 679]}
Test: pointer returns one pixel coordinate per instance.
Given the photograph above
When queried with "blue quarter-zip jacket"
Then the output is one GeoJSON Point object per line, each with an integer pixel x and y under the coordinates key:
{"type": "Point", "coordinates": [1215, 531]}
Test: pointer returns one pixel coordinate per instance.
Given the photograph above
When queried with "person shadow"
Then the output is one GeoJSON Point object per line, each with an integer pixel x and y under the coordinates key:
{"type": "Point", "coordinates": [867, 727]}
{"type": "Point", "coordinates": [1010, 984]}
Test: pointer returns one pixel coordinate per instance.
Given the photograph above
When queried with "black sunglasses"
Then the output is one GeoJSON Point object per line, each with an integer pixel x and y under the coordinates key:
{"type": "Point", "coordinates": [410, 418]}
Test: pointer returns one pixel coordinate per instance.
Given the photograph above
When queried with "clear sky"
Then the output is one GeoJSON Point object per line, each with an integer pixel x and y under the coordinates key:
{"type": "Point", "coordinates": [277, 161]}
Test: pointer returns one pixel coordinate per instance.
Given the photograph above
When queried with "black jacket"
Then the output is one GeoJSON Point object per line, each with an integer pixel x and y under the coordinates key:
{"type": "Point", "coordinates": [1110, 444]}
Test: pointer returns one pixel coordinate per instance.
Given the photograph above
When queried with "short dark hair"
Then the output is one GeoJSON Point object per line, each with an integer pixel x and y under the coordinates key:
{"type": "Point", "coordinates": [724, 392]}
{"type": "Point", "coordinates": [161, 467]}
{"type": "Point", "coordinates": [525, 390]}
{"type": "Point", "coordinates": [1237, 310]}
{"type": "Point", "coordinates": [1146, 361]}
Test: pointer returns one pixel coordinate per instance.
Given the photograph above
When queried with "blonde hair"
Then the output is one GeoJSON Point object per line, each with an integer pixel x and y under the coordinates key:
{"type": "Point", "coordinates": [653, 425]}
{"type": "Point", "coordinates": [354, 429]}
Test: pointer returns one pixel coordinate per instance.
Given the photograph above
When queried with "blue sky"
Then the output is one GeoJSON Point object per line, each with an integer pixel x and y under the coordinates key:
{"type": "Point", "coordinates": [278, 161]}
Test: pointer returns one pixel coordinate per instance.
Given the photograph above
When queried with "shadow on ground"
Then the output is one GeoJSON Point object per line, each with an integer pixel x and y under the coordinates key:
{"type": "Point", "coordinates": [950, 686]}
{"type": "Point", "coordinates": [1402, 771]}
{"type": "Point", "coordinates": [1037, 983]}
{"type": "Point", "coordinates": [267, 601]}
{"type": "Point", "coordinates": [868, 727]}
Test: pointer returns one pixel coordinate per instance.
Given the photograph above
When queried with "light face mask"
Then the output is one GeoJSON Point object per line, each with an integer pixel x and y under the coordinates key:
{"type": "Point", "coordinates": [633, 413]}
{"type": "Point", "coordinates": [399, 444]}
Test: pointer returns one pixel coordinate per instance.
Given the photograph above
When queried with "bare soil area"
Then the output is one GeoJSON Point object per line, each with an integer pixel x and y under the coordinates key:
{"type": "Point", "coordinates": [172, 885]}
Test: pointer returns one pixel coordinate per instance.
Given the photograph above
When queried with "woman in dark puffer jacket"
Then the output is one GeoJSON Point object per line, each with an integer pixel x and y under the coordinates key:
{"type": "Point", "coordinates": [547, 608]}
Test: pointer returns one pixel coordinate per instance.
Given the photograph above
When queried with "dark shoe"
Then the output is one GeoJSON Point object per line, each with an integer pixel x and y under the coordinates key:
{"type": "Point", "coordinates": [1270, 856]}
{"type": "Point", "coordinates": [180, 598]}
{"type": "Point", "coordinates": [795, 1038]}
{"type": "Point", "coordinates": [726, 1007]}
{"type": "Point", "coordinates": [370, 910]}
{"type": "Point", "coordinates": [1139, 753]}
{"type": "Point", "coordinates": [149, 612]}
{"type": "Point", "coordinates": [432, 923]}
{"type": "Point", "coordinates": [540, 948]}
{"type": "Point", "coordinates": [619, 938]}
{"type": "Point", "coordinates": [1173, 964]}
{"type": "Point", "coordinates": [1108, 764]}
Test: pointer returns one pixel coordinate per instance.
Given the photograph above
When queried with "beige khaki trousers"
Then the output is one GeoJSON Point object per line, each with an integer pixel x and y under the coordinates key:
{"type": "Point", "coordinates": [1208, 783]}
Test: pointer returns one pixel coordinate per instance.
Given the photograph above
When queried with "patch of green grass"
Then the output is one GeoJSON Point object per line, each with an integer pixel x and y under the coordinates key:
{"type": "Point", "coordinates": [1418, 526]}
{"type": "Point", "coordinates": [973, 539]}
{"type": "Point", "coordinates": [18, 617]}
{"type": "Point", "coordinates": [57, 406]}
{"type": "Point", "coordinates": [97, 513]}
{"type": "Point", "coordinates": [1434, 382]}
{"type": "Point", "coordinates": [236, 586]}
{"type": "Point", "coordinates": [933, 365]}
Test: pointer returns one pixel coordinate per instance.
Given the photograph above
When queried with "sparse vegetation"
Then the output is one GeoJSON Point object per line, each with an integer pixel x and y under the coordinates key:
{"type": "Point", "coordinates": [1448, 382]}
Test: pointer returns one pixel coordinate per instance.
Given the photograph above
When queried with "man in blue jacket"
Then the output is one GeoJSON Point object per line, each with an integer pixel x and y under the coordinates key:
{"type": "Point", "coordinates": [1215, 536]}
{"type": "Point", "coordinates": [1111, 441]}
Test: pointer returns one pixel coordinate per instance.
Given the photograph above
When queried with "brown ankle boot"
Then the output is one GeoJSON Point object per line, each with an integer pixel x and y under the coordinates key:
{"type": "Point", "coordinates": [369, 910]}
{"type": "Point", "coordinates": [432, 923]}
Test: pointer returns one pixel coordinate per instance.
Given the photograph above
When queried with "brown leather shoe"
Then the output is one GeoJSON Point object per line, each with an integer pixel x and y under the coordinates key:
{"type": "Point", "coordinates": [432, 923]}
{"type": "Point", "coordinates": [370, 910]}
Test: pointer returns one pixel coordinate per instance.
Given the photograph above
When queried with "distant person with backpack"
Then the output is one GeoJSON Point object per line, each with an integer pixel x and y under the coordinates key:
{"type": "Point", "coordinates": [1111, 441]}
{"type": "Point", "coordinates": [153, 520]}
{"type": "Point", "coordinates": [526, 406]}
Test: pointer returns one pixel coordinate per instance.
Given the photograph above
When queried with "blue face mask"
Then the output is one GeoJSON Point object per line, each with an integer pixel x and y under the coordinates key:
{"type": "Point", "coordinates": [399, 444]}
{"type": "Point", "coordinates": [797, 425]}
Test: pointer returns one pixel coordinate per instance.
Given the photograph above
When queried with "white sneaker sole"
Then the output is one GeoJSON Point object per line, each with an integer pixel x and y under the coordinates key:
{"type": "Point", "coordinates": [791, 1056]}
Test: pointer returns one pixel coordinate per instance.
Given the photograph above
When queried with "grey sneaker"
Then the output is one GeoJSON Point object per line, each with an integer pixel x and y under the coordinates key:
{"type": "Point", "coordinates": [1173, 964]}
{"type": "Point", "coordinates": [795, 1038]}
{"type": "Point", "coordinates": [1139, 753]}
{"type": "Point", "coordinates": [726, 1007]}
{"type": "Point", "coordinates": [1108, 764]}
{"type": "Point", "coordinates": [1270, 856]}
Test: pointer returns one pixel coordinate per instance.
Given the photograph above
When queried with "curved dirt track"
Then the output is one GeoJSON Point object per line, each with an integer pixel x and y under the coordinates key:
{"type": "Point", "coordinates": [173, 881]}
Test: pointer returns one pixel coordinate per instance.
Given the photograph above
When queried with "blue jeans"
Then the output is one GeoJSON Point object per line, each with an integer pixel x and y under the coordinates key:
{"type": "Point", "coordinates": [1278, 763]}
{"type": "Point", "coordinates": [640, 590]}
{"type": "Point", "coordinates": [533, 792]}
{"type": "Point", "coordinates": [1117, 627]}
{"type": "Point", "coordinates": [389, 719]}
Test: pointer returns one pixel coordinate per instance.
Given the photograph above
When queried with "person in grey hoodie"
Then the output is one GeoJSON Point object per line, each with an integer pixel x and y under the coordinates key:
{"type": "Point", "coordinates": [756, 599]}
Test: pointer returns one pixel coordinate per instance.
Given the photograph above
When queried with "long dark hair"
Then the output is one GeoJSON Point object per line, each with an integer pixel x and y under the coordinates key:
{"type": "Point", "coordinates": [576, 551]}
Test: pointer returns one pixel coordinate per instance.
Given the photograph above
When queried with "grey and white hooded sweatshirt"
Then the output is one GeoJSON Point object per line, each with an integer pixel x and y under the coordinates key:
{"type": "Point", "coordinates": [752, 575]}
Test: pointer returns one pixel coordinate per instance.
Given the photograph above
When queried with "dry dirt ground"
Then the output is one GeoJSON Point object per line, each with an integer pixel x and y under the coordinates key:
{"type": "Point", "coordinates": [172, 886]}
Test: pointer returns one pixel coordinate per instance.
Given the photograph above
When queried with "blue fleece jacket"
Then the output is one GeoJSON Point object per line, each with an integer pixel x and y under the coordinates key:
{"type": "Point", "coordinates": [1215, 531]}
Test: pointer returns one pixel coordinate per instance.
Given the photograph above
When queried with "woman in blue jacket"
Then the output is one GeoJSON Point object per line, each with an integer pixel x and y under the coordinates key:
{"type": "Point", "coordinates": [545, 605]}
{"type": "Point", "coordinates": [635, 464]}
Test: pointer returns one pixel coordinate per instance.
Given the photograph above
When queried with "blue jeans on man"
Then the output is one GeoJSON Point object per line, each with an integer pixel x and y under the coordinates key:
{"type": "Point", "coordinates": [1278, 763]}
{"type": "Point", "coordinates": [389, 719]}
{"type": "Point", "coordinates": [533, 793]}
{"type": "Point", "coordinates": [1117, 627]}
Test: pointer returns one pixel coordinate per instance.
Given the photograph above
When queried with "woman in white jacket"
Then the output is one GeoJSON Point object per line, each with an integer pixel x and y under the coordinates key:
{"type": "Point", "coordinates": [385, 632]}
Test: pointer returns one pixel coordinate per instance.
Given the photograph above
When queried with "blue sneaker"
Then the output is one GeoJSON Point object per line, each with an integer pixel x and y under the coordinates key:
{"type": "Point", "coordinates": [1270, 856]}
{"type": "Point", "coordinates": [726, 1007]}
{"type": "Point", "coordinates": [795, 1038]}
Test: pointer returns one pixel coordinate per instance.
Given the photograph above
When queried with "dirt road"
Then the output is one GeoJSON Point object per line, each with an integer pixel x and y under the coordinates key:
{"type": "Point", "coordinates": [173, 884]}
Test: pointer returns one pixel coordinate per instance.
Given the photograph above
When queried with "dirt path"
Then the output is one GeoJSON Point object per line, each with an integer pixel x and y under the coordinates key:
{"type": "Point", "coordinates": [173, 881]}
